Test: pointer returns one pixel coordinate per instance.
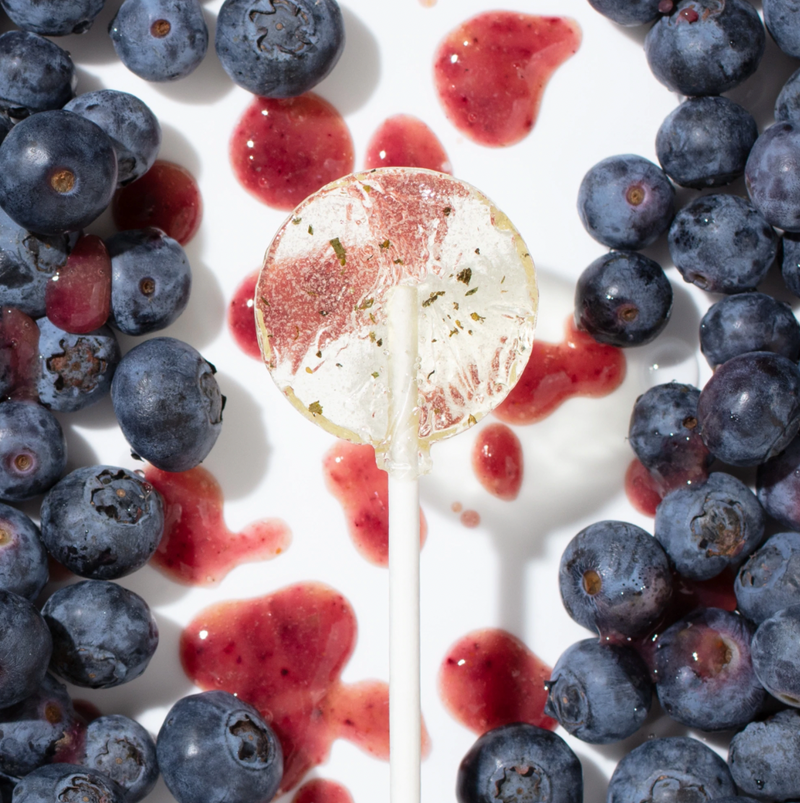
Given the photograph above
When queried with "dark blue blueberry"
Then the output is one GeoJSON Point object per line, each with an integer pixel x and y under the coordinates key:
{"type": "Point", "coordinates": [787, 104]}
{"type": "Point", "coordinates": [33, 452]}
{"type": "Point", "coordinates": [214, 747]}
{"type": "Point", "coordinates": [168, 403]}
{"type": "Point", "coordinates": [748, 322]}
{"type": "Point", "coordinates": [705, 142]}
{"type": "Point", "coordinates": [23, 559]}
{"type": "Point", "coordinates": [67, 783]}
{"type": "Point", "coordinates": [780, 17]}
{"type": "Point", "coordinates": [674, 768]}
{"type": "Point", "coordinates": [764, 758]}
{"type": "Point", "coordinates": [626, 202]}
{"type": "Point", "coordinates": [58, 172]}
{"type": "Point", "coordinates": [772, 176]}
{"type": "Point", "coordinates": [623, 299]}
{"type": "Point", "coordinates": [629, 12]}
{"type": "Point", "coordinates": [749, 411]}
{"type": "Point", "coordinates": [663, 434]}
{"type": "Point", "coordinates": [600, 693]}
{"type": "Point", "coordinates": [160, 40]}
{"type": "Point", "coordinates": [75, 370]}
{"type": "Point", "coordinates": [25, 647]}
{"type": "Point", "coordinates": [704, 675]}
{"type": "Point", "coordinates": [519, 763]}
{"type": "Point", "coordinates": [35, 74]}
{"type": "Point", "coordinates": [123, 750]}
{"type": "Point", "coordinates": [279, 50]}
{"type": "Point", "coordinates": [103, 634]}
{"type": "Point", "coordinates": [778, 486]}
{"type": "Point", "coordinates": [722, 244]}
{"type": "Point", "coordinates": [102, 522]}
{"type": "Point", "coordinates": [150, 280]}
{"type": "Point", "coordinates": [133, 128]}
{"type": "Point", "coordinates": [790, 261]}
{"type": "Point", "coordinates": [615, 579]}
{"type": "Point", "coordinates": [776, 655]}
{"type": "Point", "coordinates": [770, 580]}
{"type": "Point", "coordinates": [5, 126]}
{"type": "Point", "coordinates": [53, 17]}
{"type": "Point", "coordinates": [706, 47]}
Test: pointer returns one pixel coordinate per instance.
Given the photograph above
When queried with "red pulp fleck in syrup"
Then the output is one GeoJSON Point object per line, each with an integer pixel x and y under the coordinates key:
{"type": "Point", "coordinates": [19, 354]}
{"type": "Point", "coordinates": [641, 489]}
{"type": "Point", "coordinates": [241, 317]}
{"type": "Point", "coordinates": [197, 547]}
{"type": "Point", "coordinates": [78, 297]}
{"type": "Point", "coordinates": [490, 678]}
{"type": "Point", "coordinates": [282, 150]}
{"type": "Point", "coordinates": [405, 141]}
{"type": "Point", "coordinates": [490, 72]}
{"type": "Point", "coordinates": [362, 489]}
{"type": "Point", "coordinates": [166, 196]}
{"type": "Point", "coordinates": [470, 518]}
{"type": "Point", "coordinates": [497, 461]}
{"type": "Point", "coordinates": [320, 790]}
{"type": "Point", "coordinates": [556, 371]}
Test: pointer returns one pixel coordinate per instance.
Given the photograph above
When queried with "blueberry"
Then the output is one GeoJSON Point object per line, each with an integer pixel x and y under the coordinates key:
{"type": "Point", "coordinates": [615, 579]}
{"type": "Point", "coordinates": [53, 17]}
{"type": "Point", "coordinates": [626, 202]}
{"type": "Point", "coordinates": [133, 128]}
{"type": "Point", "coordinates": [748, 322]}
{"type": "Point", "coordinates": [770, 579]}
{"type": "Point", "coordinates": [772, 176]}
{"type": "Point", "coordinates": [780, 17]}
{"type": "Point", "coordinates": [160, 40]}
{"type": "Point", "coordinates": [168, 403]}
{"type": "Point", "coordinates": [706, 47]}
{"type": "Point", "coordinates": [787, 104]}
{"type": "Point", "coordinates": [150, 280]}
{"type": "Point", "coordinates": [600, 693]}
{"type": "Point", "coordinates": [23, 559]}
{"type": "Point", "coordinates": [214, 747]}
{"type": "Point", "coordinates": [67, 783]}
{"type": "Point", "coordinates": [790, 261]}
{"type": "Point", "coordinates": [33, 452]}
{"type": "Point", "coordinates": [58, 172]}
{"type": "Point", "coordinates": [35, 74]}
{"type": "Point", "coordinates": [629, 12]}
{"type": "Point", "coordinates": [279, 50]}
{"type": "Point", "coordinates": [778, 486]}
{"type": "Point", "coordinates": [623, 299]}
{"type": "Point", "coordinates": [749, 411]}
{"type": "Point", "coordinates": [722, 244]}
{"type": "Point", "coordinates": [674, 768]}
{"type": "Point", "coordinates": [705, 142]}
{"type": "Point", "coordinates": [776, 654]}
{"type": "Point", "coordinates": [103, 634]}
{"type": "Point", "coordinates": [102, 522]}
{"type": "Point", "coordinates": [519, 763]}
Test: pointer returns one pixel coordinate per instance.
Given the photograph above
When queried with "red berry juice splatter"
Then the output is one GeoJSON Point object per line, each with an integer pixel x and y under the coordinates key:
{"type": "Point", "coordinates": [197, 547]}
{"type": "Point", "coordinates": [282, 150]}
{"type": "Point", "coordinates": [166, 196]}
{"type": "Point", "coordinates": [579, 366]}
{"type": "Point", "coordinates": [491, 71]}
{"type": "Point", "coordinates": [362, 489]}
{"type": "Point", "coordinates": [19, 354]}
{"type": "Point", "coordinates": [641, 489]}
{"type": "Point", "coordinates": [497, 461]}
{"type": "Point", "coordinates": [78, 297]}
{"type": "Point", "coordinates": [241, 317]}
{"type": "Point", "coordinates": [405, 141]}
{"type": "Point", "coordinates": [320, 790]}
{"type": "Point", "coordinates": [490, 678]}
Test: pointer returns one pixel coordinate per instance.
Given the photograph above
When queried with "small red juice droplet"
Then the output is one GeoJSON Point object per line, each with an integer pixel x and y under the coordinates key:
{"type": "Point", "coordinates": [470, 518]}
{"type": "Point", "coordinates": [579, 366]}
{"type": "Point", "coordinates": [490, 678]}
{"type": "Point", "coordinates": [197, 547]}
{"type": "Point", "coordinates": [241, 317]}
{"type": "Point", "coordinates": [78, 297]}
{"type": "Point", "coordinates": [19, 354]}
{"type": "Point", "coordinates": [282, 150]}
{"type": "Point", "coordinates": [166, 196]}
{"type": "Point", "coordinates": [320, 790]}
{"type": "Point", "coordinates": [362, 489]}
{"type": "Point", "coordinates": [497, 461]}
{"type": "Point", "coordinates": [405, 141]}
{"type": "Point", "coordinates": [491, 71]}
{"type": "Point", "coordinates": [641, 489]}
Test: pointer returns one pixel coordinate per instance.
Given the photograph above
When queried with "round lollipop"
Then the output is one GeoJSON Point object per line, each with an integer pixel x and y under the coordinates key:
{"type": "Point", "coordinates": [396, 307]}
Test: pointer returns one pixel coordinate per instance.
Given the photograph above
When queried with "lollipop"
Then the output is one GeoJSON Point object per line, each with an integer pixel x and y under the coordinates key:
{"type": "Point", "coordinates": [397, 307]}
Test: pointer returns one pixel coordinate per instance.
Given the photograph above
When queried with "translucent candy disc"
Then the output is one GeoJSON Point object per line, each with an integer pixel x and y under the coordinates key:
{"type": "Point", "coordinates": [322, 298]}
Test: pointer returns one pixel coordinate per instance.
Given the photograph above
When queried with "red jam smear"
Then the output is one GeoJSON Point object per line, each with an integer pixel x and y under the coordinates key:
{"type": "Point", "coordinates": [405, 141]}
{"type": "Point", "coordinates": [579, 366]}
{"type": "Point", "coordinates": [497, 461]}
{"type": "Point", "coordinates": [490, 678]}
{"type": "Point", "coordinates": [197, 547]}
{"type": "Point", "coordinates": [241, 316]}
{"type": "Point", "coordinates": [284, 149]}
{"type": "Point", "coordinates": [642, 489]}
{"type": "Point", "coordinates": [320, 790]}
{"type": "Point", "coordinates": [166, 196]}
{"type": "Point", "coordinates": [362, 489]}
{"type": "Point", "coordinates": [78, 297]}
{"type": "Point", "coordinates": [491, 71]}
{"type": "Point", "coordinates": [19, 354]}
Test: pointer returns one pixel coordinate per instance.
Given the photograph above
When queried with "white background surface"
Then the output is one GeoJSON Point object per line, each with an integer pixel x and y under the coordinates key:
{"type": "Point", "coordinates": [601, 102]}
